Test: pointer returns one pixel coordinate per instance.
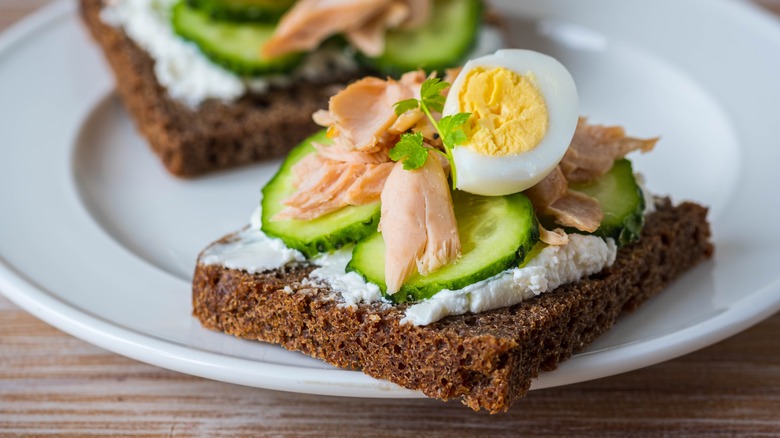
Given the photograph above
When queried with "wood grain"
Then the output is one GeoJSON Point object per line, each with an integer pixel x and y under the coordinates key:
{"type": "Point", "coordinates": [52, 383]}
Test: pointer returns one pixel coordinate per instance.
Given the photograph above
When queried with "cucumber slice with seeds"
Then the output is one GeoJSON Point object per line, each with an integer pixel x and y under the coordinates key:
{"type": "Point", "coordinates": [496, 233]}
{"type": "Point", "coordinates": [266, 11]}
{"type": "Point", "coordinates": [235, 46]}
{"type": "Point", "coordinates": [621, 200]}
{"type": "Point", "coordinates": [332, 231]}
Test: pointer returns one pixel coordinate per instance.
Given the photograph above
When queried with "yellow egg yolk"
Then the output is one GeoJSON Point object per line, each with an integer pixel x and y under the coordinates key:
{"type": "Point", "coordinates": [509, 114]}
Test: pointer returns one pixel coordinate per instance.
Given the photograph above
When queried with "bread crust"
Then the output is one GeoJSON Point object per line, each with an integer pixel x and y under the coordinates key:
{"type": "Point", "coordinates": [487, 359]}
{"type": "Point", "coordinates": [215, 135]}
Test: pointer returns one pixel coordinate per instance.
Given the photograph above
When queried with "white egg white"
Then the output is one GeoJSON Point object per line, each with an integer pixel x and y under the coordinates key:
{"type": "Point", "coordinates": [502, 175]}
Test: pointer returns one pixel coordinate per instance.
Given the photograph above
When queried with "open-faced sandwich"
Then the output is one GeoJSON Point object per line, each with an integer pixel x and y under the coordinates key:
{"type": "Point", "coordinates": [213, 84]}
{"type": "Point", "coordinates": [454, 239]}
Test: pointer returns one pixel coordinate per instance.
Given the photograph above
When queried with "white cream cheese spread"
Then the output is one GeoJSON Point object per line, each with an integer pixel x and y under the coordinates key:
{"type": "Point", "coordinates": [552, 267]}
{"type": "Point", "coordinates": [252, 251]}
{"type": "Point", "coordinates": [190, 77]}
{"type": "Point", "coordinates": [351, 286]}
{"type": "Point", "coordinates": [179, 66]}
{"type": "Point", "coordinates": [646, 194]}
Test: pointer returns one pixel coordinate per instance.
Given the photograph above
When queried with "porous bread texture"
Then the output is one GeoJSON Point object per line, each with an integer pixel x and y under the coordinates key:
{"type": "Point", "coordinates": [487, 359]}
{"type": "Point", "coordinates": [215, 135]}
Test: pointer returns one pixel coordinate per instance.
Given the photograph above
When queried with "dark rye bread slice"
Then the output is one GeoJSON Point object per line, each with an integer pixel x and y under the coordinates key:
{"type": "Point", "coordinates": [487, 359]}
{"type": "Point", "coordinates": [215, 135]}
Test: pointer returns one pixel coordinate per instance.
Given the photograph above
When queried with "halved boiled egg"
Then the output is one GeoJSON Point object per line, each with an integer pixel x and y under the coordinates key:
{"type": "Point", "coordinates": [524, 108]}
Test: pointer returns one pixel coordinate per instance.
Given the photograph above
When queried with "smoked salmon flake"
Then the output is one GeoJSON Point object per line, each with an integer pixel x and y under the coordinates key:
{"type": "Point", "coordinates": [363, 125]}
{"type": "Point", "coordinates": [362, 116]}
{"type": "Point", "coordinates": [417, 223]}
{"type": "Point", "coordinates": [364, 23]}
{"type": "Point", "coordinates": [595, 148]}
{"type": "Point", "coordinates": [591, 154]}
{"type": "Point", "coordinates": [324, 186]}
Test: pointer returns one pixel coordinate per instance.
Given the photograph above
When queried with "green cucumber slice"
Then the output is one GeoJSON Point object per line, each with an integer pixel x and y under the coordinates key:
{"type": "Point", "coordinates": [621, 200]}
{"type": "Point", "coordinates": [266, 11]}
{"type": "Point", "coordinates": [327, 233]}
{"type": "Point", "coordinates": [235, 46]}
{"type": "Point", "coordinates": [496, 233]}
{"type": "Point", "coordinates": [442, 43]}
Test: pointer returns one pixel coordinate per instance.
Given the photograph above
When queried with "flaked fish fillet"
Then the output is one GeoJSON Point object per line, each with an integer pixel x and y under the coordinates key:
{"type": "Point", "coordinates": [364, 23]}
{"type": "Point", "coordinates": [324, 186]}
{"type": "Point", "coordinates": [417, 223]}
{"type": "Point", "coordinates": [551, 196]}
{"type": "Point", "coordinates": [595, 148]}
{"type": "Point", "coordinates": [361, 117]}
{"type": "Point", "coordinates": [310, 22]}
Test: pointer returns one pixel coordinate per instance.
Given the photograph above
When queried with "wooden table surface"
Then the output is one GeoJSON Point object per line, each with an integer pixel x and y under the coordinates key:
{"type": "Point", "coordinates": [52, 383]}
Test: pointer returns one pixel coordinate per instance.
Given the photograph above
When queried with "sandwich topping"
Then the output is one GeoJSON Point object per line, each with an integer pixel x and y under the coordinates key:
{"type": "Point", "coordinates": [192, 77]}
{"type": "Point", "coordinates": [525, 107]}
{"type": "Point", "coordinates": [223, 49]}
{"type": "Point", "coordinates": [389, 208]}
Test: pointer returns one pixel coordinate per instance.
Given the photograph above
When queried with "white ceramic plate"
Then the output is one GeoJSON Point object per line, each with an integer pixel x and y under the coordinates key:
{"type": "Point", "coordinates": [96, 239]}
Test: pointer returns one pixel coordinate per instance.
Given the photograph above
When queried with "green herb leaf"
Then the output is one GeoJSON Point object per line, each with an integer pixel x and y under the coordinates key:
{"type": "Point", "coordinates": [451, 122]}
{"type": "Point", "coordinates": [455, 138]}
{"type": "Point", "coordinates": [406, 105]}
{"type": "Point", "coordinates": [451, 129]}
{"type": "Point", "coordinates": [410, 149]}
{"type": "Point", "coordinates": [430, 93]}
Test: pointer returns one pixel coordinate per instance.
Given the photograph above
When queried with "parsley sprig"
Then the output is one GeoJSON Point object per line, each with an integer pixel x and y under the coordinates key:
{"type": "Point", "coordinates": [410, 146]}
{"type": "Point", "coordinates": [450, 129]}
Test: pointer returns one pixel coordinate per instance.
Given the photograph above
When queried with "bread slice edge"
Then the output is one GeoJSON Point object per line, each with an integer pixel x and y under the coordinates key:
{"type": "Point", "coordinates": [487, 359]}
